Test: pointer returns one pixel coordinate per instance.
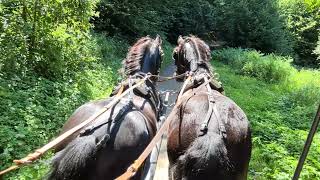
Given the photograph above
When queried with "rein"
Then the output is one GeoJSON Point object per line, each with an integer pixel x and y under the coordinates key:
{"type": "Point", "coordinates": [39, 152]}
{"type": "Point", "coordinates": [133, 168]}
{"type": "Point", "coordinates": [166, 78]}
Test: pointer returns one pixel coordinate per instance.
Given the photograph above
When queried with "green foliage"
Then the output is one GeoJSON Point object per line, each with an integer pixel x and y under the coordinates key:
{"type": "Point", "coordinates": [285, 27]}
{"type": "Point", "coordinates": [46, 37]}
{"type": "Point", "coordinates": [280, 119]}
{"type": "Point", "coordinates": [33, 109]}
{"type": "Point", "coordinates": [251, 24]}
{"type": "Point", "coordinates": [303, 22]}
{"type": "Point", "coordinates": [167, 49]}
{"type": "Point", "coordinates": [50, 64]}
{"type": "Point", "coordinates": [131, 19]}
{"type": "Point", "coordinates": [270, 68]}
{"type": "Point", "coordinates": [188, 17]}
{"type": "Point", "coordinates": [245, 23]}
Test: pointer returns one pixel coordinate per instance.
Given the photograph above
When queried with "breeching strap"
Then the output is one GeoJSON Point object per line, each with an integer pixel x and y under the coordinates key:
{"type": "Point", "coordinates": [39, 152]}
{"type": "Point", "coordinates": [133, 168]}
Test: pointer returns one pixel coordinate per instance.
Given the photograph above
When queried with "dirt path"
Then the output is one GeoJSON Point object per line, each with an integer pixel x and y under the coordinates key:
{"type": "Point", "coordinates": [163, 163]}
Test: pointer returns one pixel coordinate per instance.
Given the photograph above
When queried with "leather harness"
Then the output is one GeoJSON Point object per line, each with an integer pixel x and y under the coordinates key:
{"type": "Point", "coordinates": [145, 91]}
{"type": "Point", "coordinates": [206, 80]}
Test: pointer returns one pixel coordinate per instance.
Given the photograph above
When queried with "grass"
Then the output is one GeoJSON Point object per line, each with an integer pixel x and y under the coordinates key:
{"type": "Point", "coordinates": [280, 114]}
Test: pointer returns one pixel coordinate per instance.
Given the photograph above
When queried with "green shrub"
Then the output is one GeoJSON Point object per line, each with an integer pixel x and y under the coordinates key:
{"type": "Point", "coordinates": [270, 68]}
{"type": "Point", "coordinates": [188, 17]}
{"type": "Point", "coordinates": [245, 23]}
{"type": "Point", "coordinates": [301, 87]}
{"type": "Point", "coordinates": [130, 19]}
{"type": "Point", "coordinates": [167, 49]}
{"type": "Point", "coordinates": [33, 107]}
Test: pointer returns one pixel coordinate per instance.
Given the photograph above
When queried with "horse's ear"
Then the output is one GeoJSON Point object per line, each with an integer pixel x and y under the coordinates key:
{"type": "Point", "coordinates": [180, 39]}
{"type": "Point", "coordinates": [158, 39]}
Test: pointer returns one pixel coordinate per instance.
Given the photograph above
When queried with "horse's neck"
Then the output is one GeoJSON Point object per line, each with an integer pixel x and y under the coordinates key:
{"type": "Point", "coordinates": [152, 86]}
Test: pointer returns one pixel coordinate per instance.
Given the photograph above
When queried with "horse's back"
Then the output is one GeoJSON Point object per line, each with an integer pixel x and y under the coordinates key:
{"type": "Point", "coordinates": [238, 135]}
{"type": "Point", "coordinates": [129, 138]}
{"type": "Point", "coordinates": [81, 114]}
{"type": "Point", "coordinates": [129, 134]}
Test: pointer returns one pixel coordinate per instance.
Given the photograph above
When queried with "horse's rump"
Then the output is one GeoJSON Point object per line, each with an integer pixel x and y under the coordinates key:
{"type": "Point", "coordinates": [211, 155]}
{"type": "Point", "coordinates": [75, 160]}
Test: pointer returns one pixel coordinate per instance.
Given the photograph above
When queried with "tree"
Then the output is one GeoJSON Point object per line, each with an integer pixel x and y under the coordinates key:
{"type": "Point", "coordinates": [43, 36]}
{"type": "Point", "coordinates": [302, 22]}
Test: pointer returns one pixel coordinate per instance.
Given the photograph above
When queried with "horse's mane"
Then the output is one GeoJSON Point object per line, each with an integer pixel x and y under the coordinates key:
{"type": "Point", "coordinates": [132, 63]}
{"type": "Point", "coordinates": [201, 47]}
{"type": "Point", "coordinates": [204, 49]}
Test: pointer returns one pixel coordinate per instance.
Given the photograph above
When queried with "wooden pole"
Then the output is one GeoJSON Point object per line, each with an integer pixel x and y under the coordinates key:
{"type": "Point", "coordinates": [307, 145]}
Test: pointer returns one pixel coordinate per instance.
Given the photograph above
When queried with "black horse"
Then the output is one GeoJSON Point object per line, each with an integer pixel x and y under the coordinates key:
{"type": "Point", "coordinates": [105, 148]}
{"type": "Point", "coordinates": [209, 135]}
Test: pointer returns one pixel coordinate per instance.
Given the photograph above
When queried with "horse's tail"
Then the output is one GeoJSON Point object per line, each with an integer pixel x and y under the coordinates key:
{"type": "Point", "coordinates": [206, 155]}
{"type": "Point", "coordinates": [73, 161]}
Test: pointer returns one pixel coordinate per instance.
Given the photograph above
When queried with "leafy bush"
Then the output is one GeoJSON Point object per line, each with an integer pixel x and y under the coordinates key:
{"type": "Point", "coordinates": [302, 21]}
{"type": "Point", "coordinates": [35, 108]}
{"type": "Point", "coordinates": [303, 85]}
{"type": "Point", "coordinates": [270, 68]}
{"type": "Point", "coordinates": [251, 24]}
{"type": "Point", "coordinates": [245, 23]}
{"type": "Point", "coordinates": [167, 49]}
{"type": "Point", "coordinates": [50, 64]}
{"type": "Point", "coordinates": [188, 17]}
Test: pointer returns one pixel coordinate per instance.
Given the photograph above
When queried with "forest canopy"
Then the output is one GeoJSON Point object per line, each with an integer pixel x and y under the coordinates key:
{"type": "Point", "coordinates": [286, 27]}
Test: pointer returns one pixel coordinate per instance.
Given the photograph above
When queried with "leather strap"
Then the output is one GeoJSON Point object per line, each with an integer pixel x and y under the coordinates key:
{"type": "Point", "coordinates": [212, 110]}
{"type": "Point", "coordinates": [133, 168]}
{"type": "Point", "coordinates": [137, 163]}
{"type": "Point", "coordinates": [39, 152]}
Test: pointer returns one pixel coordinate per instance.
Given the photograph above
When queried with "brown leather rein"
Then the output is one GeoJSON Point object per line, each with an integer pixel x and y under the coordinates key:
{"type": "Point", "coordinates": [133, 168]}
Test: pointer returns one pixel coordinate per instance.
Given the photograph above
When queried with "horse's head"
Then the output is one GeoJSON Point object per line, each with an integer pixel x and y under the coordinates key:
{"type": "Point", "coordinates": [191, 53]}
{"type": "Point", "coordinates": [144, 56]}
